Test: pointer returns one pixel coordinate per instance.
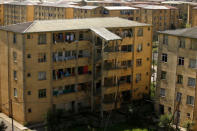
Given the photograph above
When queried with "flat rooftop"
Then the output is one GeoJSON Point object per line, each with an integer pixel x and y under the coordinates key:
{"type": "Point", "coordinates": [71, 24]}
{"type": "Point", "coordinates": [188, 32]}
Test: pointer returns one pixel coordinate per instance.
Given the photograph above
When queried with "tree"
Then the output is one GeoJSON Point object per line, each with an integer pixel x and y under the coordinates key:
{"type": "Point", "coordinates": [165, 122]}
{"type": "Point", "coordinates": [188, 125]}
{"type": "Point", "coordinates": [3, 127]}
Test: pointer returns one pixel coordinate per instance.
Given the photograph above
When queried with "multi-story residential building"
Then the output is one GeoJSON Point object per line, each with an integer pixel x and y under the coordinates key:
{"type": "Point", "coordinates": [194, 16]}
{"type": "Point", "coordinates": [122, 11]}
{"type": "Point", "coordinates": [87, 11]}
{"type": "Point", "coordinates": [176, 78]}
{"type": "Point", "coordinates": [73, 64]}
{"type": "Point", "coordinates": [162, 17]}
{"type": "Point", "coordinates": [185, 9]}
{"type": "Point", "coordinates": [107, 11]}
{"type": "Point", "coordinates": [25, 11]}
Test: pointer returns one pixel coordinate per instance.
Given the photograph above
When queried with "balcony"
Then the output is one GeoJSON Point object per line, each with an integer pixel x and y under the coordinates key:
{"type": "Point", "coordinates": [118, 71]}
{"type": "Point", "coordinates": [117, 55]}
{"type": "Point", "coordinates": [72, 62]}
{"type": "Point", "coordinates": [83, 44]}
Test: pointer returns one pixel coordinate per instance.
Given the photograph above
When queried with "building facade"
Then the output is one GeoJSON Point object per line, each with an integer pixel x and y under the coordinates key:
{"type": "Point", "coordinates": [194, 17]}
{"type": "Point", "coordinates": [95, 63]}
{"type": "Point", "coordinates": [25, 11]}
{"type": "Point", "coordinates": [176, 78]}
{"type": "Point", "coordinates": [161, 17]}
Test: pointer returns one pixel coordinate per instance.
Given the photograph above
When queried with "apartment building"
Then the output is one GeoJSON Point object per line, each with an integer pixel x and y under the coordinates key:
{"type": "Point", "coordinates": [73, 64]}
{"type": "Point", "coordinates": [87, 11]}
{"type": "Point", "coordinates": [194, 16]}
{"type": "Point", "coordinates": [25, 11]}
{"type": "Point", "coordinates": [122, 11]}
{"type": "Point", "coordinates": [107, 11]}
{"type": "Point", "coordinates": [176, 78]}
{"type": "Point", "coordinates": [162, 17]}
{"type": "Point", "coordinates": [185, 9]}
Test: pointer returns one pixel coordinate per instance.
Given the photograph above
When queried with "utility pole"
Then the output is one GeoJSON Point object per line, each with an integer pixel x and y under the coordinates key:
{"type": "Point", "coordinates": [11, 114]}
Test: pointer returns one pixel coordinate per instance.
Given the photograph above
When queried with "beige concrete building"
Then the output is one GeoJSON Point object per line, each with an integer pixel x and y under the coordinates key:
{"type": "Point", "coordinates": [161, 17]}
{"type": "Point", "coordinates": [176, 78]}
{"type": "Point", "coordinates": [73, 64]}
{"type": "Point", "coordinates": [107, 11]}
{"type": "Point", "coordinates": [26, 11]}
{"type": "Point", "coordinates": [185, 10]}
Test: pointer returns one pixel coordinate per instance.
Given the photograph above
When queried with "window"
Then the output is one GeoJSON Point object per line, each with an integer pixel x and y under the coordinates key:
{"type": "Point", "coordinates": [14, 56]}
{"type": "Point", "coordinates": [81, 36]}
{"type": "Point", "coordinates": [29, 92]}
{"type": "Point", "coordinates": [178, 96]}
{"type": "Point", "coordinates": [28, 74]}
{"type": "Point", "coordinates": [139, 47]}
{"type": "Point", "coordinates": [28, 36]}
{"type": "Point", "coordinates": [162, 92]}
{"type": "Point", "coordinates": [165, 40]}
{"type": "Point", "coordinates": [41, 75]}
{"type": "Point", "coordinates": [164, 57]}
{"type": "Point", "coordinates": [14, 38]}
{"type": "Point", "coordinates": [188, 115]}
{"type": "Point", "coordinates": [190, 100]}
{"type": "Point", "coordinates": [179, 79]}
{"type": "Point", "coordinates": [163, 75]}
{"type": "Point", "coordinates": [191, 82]}
{"type": "Point", "coordinates": [15, 92]}
{"type": "Point", "coordinates": [181, 61]}
{"type": "Point", "coordinates": [127, 48]}
{"type": "Point", "coordinates": [42, 57]}
{"type": "Point", "coordinates": [138, 77]}
{"type": "Point", "coordinates": [194, 45]}
{"type": "Point", "coordinates": [182, 43]}
{"type": "Point", "coordinates": [29, 110]}
{"type": "Point", "coordinates": [193, 63]}
{"type": "Point", "coordinates": [42, 39]}
{"type": "Point", "coordinates": [140, 32]}
{"type": "Point", "coordinates": [42, 93]}
{"type": "Point", "coordinates": [28, 56]}
{"type": "Point", "coordinates": [138, 62]}
{"type": "Point", "coordinates": [15, 75]}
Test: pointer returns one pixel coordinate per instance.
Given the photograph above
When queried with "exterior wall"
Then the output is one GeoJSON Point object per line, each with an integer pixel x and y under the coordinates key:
{"type": "Point", "coordinates": [8, 82]}
{"type": "Point", "coordinates": [29, 107]}
{"type": "Point", "coordinates": [87, 13]}
{"type": "Point", "coordinates": [30, 13]}
{"type": "Point", "coordinates": [142, 87]}
{"type": "Point", "coordinates": [117, 13]}
{"type": "Point", "coordinates": [173, 70]}
{"type": "Point", "coordinates": [69, 13]}
{"type": "Point", "coordinates": [161, 19]}
{"type": "Point", "coordinates": [1, 14]}
{"type": "Point", "coordinates": [48, 12]}
{"type": "Point", "coordinates": [194, 17]}
{"type": "Point", "coordinates": [14, 14]}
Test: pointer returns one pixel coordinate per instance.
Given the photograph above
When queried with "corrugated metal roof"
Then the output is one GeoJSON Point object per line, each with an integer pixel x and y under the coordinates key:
{"type": "Point", "coordinates": [71, 24]}
{"type": "Point", "coordinates": [105, 34]}
{"type": "Point", "coordinates": [188, 32]}
{"type": "Point", "coordinates": [119, 8]}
